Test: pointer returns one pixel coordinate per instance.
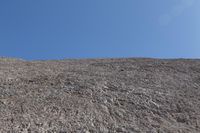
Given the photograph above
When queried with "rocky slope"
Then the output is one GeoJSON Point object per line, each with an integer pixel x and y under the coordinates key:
{"type": "Point", "coordinates": [103, 95]}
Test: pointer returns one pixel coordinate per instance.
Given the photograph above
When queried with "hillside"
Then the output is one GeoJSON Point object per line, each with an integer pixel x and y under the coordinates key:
{"type": "Point", "coordinates": [133, 95]}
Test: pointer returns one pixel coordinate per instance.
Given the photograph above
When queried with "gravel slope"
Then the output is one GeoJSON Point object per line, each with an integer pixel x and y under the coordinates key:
{"type": "Point", "coordinates": [133, 95]}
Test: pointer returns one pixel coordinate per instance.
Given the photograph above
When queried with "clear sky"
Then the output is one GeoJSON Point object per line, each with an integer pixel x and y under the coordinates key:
{"type": "Point", "coordinates": [57, 29]}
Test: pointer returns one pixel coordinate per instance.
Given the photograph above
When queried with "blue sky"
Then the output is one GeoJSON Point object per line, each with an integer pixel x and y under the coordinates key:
{"type": "Point", "coordinates": [57, 29]}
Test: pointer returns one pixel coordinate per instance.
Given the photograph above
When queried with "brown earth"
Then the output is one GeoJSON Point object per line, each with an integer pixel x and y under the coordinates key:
{"type": "Point", "coordinates": [133, 95]}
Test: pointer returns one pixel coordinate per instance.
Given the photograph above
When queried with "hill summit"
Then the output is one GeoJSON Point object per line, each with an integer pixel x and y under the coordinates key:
{"type": "Point", "coordinates": [133, 95]}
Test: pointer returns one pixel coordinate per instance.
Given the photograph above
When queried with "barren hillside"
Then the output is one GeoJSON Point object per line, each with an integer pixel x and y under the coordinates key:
{"type": "Point", "coordinates": [132, 95]}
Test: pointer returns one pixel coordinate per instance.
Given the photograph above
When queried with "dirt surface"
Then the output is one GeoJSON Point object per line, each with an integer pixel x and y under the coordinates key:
{"type": "Point", "coordinates": [132, 95]}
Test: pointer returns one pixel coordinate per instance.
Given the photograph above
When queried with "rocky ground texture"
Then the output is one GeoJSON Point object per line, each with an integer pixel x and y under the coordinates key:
{"type": "Point", "coordinates": [133, 95]}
